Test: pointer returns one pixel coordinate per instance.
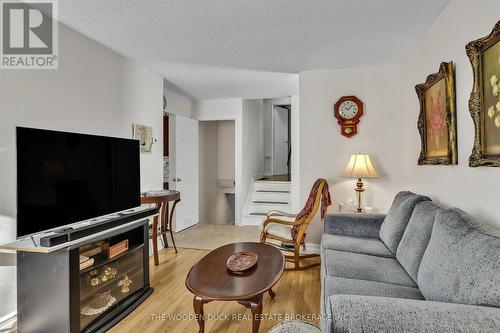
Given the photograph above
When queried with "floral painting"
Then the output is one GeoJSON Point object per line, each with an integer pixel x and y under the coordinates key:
{"type": "Point", "coordinates": [491, 98]}
{"type": "Point", "coordinates": [435, 120]}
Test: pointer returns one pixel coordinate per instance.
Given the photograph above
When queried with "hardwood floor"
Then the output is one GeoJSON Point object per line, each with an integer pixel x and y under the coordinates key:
{"type": "Point", "coordinates": [205, 236]}
{"type": "Point", "coordinates": [170, 307]}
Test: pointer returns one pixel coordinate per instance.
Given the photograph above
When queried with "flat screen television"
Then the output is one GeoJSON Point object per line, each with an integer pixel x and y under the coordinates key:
{"type": "Point", "coordinates": [64, 178]}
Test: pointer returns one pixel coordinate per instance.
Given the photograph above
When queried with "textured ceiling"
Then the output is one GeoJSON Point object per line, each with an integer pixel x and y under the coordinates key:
{"type": "Point", "coordinates": [252, 48]}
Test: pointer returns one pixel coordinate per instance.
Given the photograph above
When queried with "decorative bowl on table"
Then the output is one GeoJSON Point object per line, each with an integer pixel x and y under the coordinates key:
{"type": "Point", "coordinates": [241, 262]}
{"type": "Point", "coordinates": [295, 326]}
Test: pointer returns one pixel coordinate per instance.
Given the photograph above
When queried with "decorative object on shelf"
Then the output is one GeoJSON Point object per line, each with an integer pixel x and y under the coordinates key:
{"type": "Point", "coordinates": [155, 193]}
{"type": "Point", "coordinates": [348, 110]}
{"type": "Point", "coordinates": [437, 122]}
{"type": "Point", "coordinates": [368, 209]}
{"type": "Point", "coordinates": [241, 261]}
{"type": "Point", "coordinates": [117, 248]}
{"type": "Point", "coordinates": [145, 136]}
{"type": "Point", "coordinates": [348, 206]}
{"type": "Point", "coordinates": [295, 326]}
{"type": "Point", "coordinates": [94, 282]}
{"type": "Point", "coordinates": [92, 249]}
{"type": "Point", "coordinates": [85, 262]}
{"type": "Point", "coordinates": [125, 284]}
{"type": "Point", "coordinates": [360, 166]}
{"type": "Point", "coordinates": [101, 303]}
{"type": "Point", "coordinates": [108, 273]}
{"type": "Point", "coordinates": [484, 102]}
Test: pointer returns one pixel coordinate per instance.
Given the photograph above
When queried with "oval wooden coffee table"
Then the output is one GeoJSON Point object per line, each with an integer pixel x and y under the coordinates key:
{"type": "Point", "coordinates": [210, 280]}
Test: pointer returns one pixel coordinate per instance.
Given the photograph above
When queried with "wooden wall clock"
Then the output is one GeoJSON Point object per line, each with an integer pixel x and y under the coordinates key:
{"type": "Point", "coordinates": [348, 110]}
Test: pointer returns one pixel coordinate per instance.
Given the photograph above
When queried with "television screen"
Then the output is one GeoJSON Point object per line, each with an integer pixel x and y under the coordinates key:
{"type": "Point", "coordinates": [64, 178]}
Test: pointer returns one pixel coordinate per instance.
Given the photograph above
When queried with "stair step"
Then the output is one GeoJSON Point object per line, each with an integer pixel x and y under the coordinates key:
{"type": "Point", "coordinates": [272, 202]}
{"type": "Point", "coordinates": [267, 207]}
{"type": "Point", "coordinates": [268, 191]}
{"type": "Point", "coordinates": [272, 186]}
{"type": "Point", "coordinates": [269, 197]}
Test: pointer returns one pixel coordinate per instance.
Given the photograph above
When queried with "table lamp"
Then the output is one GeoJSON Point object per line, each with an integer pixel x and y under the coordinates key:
{"type": "Point", "coordinates": [360, 167]}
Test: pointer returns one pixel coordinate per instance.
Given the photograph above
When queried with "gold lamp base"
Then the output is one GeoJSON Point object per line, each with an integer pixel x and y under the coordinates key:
{"type": "Point", "coordinates": [359, 189]}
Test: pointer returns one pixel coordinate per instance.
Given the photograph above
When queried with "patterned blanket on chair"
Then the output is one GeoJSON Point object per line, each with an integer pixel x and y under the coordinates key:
{"type": "Point", "coordinates": [325, 202]}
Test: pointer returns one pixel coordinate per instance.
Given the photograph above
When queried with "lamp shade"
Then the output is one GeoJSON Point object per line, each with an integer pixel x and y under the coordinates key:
{"type": "Point", "coordinates": [360, 166]}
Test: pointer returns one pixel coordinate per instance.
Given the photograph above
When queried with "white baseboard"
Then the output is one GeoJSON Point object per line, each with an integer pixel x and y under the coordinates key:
{"type": "Point", "coordinates": [252, 220]}
{"type": "Point", "coordinates": [8, 322]}
{"type": "Point", "coordinates": [312, 248]}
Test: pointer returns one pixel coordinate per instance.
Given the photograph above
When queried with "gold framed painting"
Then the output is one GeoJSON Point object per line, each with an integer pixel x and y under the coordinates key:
{"type": "Point", "coordinates": [484, 102]}
{"type": "Point", "coordinates": [437, 121]}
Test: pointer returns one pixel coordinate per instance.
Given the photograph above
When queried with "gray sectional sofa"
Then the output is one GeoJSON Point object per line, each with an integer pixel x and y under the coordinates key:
{"type": "Point", "coordinates": [420, 268]}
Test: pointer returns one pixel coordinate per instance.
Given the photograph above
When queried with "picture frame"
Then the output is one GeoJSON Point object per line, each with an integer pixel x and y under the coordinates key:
{"type": "Point", "coordinates": [437, 121]}
{"type": "Point", "coordinates": [484, 102]}
{"type": "Point", "coordinates": [145, 136]}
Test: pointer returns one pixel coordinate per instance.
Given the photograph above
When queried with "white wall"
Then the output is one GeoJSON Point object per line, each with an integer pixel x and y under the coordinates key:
{"type": "Point", "coordinates": [94, 91]}
{"type": "Point", "coordinates": [295, 157]}
{"type": "Point", "coordinates": [253, 144]}
{"type": "Point", "coordinates": [325, 153]}
{"type": "Point", "coordinates": [177, 103]}
{"type": "Point", "coordinates": [474, 190]}
{"type": "Point", "coordinates": [217, 109]}
{"type": "Point", "coordinates": [225, 149]}
{"type": "Point", "coordinates": [215, 207]}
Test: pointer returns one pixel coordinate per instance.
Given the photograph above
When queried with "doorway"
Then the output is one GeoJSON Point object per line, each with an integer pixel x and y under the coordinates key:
{"type": "Point", "coordinates": [281, 138]}
{"type": "Point", "coordinates": [166, 146]}
{"type": "Point", "coordinates": [217, 172]}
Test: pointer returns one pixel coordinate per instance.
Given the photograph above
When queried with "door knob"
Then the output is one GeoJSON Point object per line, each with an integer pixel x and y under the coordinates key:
{"type": "Point", "coordinates": [177, 179]}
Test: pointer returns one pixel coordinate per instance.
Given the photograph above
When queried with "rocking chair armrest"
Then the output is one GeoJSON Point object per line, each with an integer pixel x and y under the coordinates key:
{"type": "Point", "coordinates": [280, 213]}
{"type": "Point", "coordinates": [271, 220]}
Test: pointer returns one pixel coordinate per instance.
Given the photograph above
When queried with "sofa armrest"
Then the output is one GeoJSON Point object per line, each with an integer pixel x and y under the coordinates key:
{"type": "Point", "coordinates": [353, 224]}
{"type": "Point", "coordinates": [352, 313]}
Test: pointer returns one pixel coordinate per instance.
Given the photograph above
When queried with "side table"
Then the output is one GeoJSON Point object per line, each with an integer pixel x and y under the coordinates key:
{"type": "Point", "coordinates": [162, 199]}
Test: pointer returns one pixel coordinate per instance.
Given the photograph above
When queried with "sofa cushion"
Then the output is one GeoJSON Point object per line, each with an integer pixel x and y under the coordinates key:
{"type": "Point", "coordinates": [462, 261]}
{"type": "Point", "coordinates": [416, 237]}
{"type": "Point", "coordinates": [391, 231]}
{"type": "Point", "coordinates": [335, 285]}
{"type": "Point", "coordinates": [353, 313]}
{"type": "Point", "coordinates": [365, 267]}
{"type": "Point", "coordinates": [361, 245]}
{"type": "Point", "coordinates": [279, 230]}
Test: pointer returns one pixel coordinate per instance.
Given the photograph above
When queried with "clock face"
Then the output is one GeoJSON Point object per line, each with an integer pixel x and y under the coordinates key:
{"type": "Point", "coordinates": [348, 109]}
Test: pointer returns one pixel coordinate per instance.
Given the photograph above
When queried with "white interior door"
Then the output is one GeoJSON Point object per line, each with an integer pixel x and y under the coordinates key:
{"type": "Point", "coordinates": [184, 171]}
{"type": "Point", "coordinates": [281, 144]}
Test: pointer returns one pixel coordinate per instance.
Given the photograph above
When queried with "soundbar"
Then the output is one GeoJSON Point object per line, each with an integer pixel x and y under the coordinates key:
{"type": "Point", "coordinates": [70, 234]}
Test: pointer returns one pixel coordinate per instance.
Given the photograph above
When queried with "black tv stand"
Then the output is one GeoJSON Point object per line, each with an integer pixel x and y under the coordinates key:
{"type": "Point", "coordinates": [56, 294]}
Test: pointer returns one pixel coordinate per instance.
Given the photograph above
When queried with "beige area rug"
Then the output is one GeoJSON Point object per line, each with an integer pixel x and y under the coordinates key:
{"type": "Point", "coordinates": [212, 236]}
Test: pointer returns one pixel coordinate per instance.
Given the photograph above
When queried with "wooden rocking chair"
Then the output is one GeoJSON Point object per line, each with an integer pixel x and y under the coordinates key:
{"type": "Point", "coordinates": [280, 230]}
